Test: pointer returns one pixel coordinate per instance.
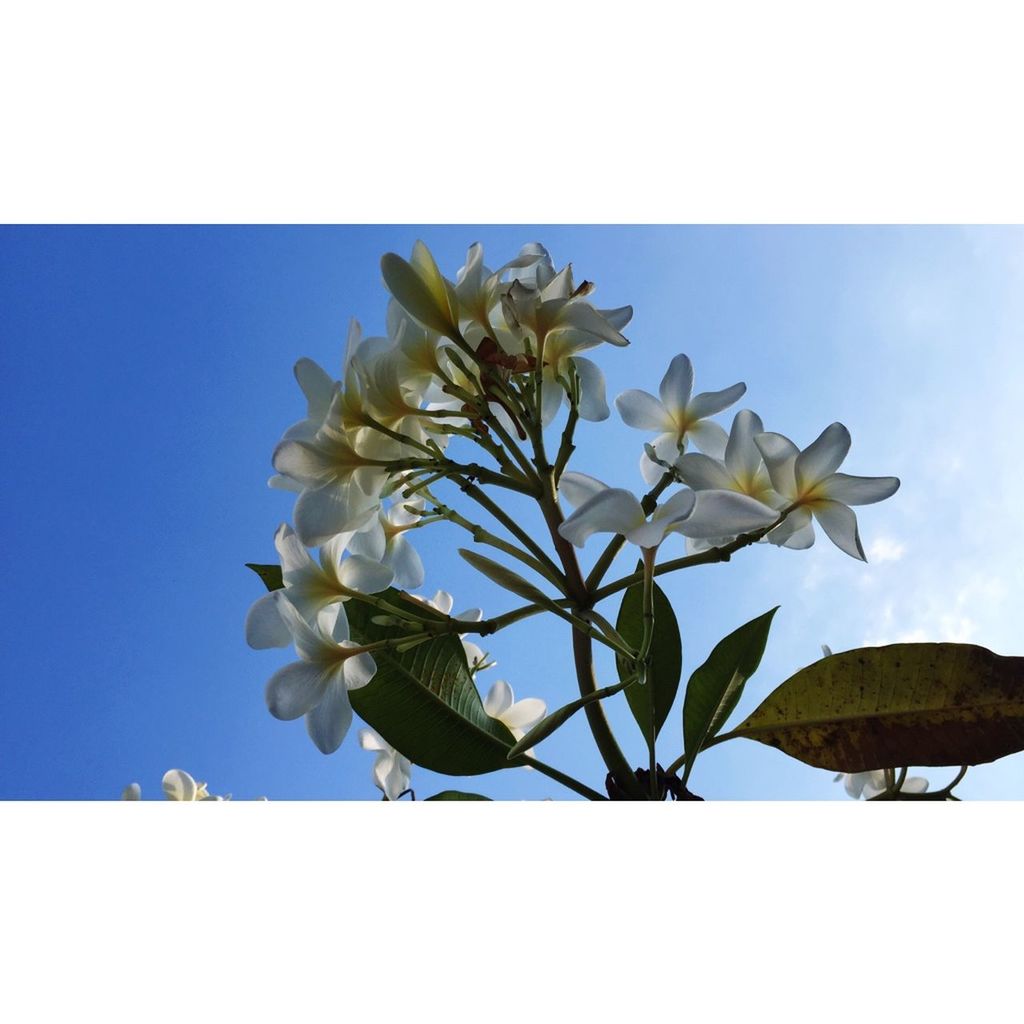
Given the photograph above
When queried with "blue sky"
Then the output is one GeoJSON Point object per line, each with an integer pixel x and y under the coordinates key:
{"type": "Point", "coordinates": [147, 376]}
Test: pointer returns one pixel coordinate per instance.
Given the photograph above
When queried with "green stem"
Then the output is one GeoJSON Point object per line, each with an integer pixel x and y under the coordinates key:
{"type": "Point", "coordinates": [484, 501]}
{"type": "Point", "coordinates": [546, 569]}
{"type": "Point", "coordinates": [719, 554]}
{"type": "Point", "coordinates": [583, 651]}
{"type": "Point", "coordinates": [644, 661]}
{"type": "Point", "coordinates": [565, 780]}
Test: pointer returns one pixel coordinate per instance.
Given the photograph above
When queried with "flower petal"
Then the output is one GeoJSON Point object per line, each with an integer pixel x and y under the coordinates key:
{"type": "Point", "coordinates": [840, 523]}
{"type": "Point", "coordinates": [581, 316]}
{"type": "Point", "coordinates": [780, 456]}
{"type": "Point", "coordinates": [725, 514]}
{"type": "Point", "coordinates": [133, 791]}
{"type": "Point", "coordinates": [395, 781]}
{"type": "Point", "coordinates": [822, 457]}
{"type": "Point", "coordinates": [914, 784]}
{"type": "Point", "coordinates": [295, 689]}
{"type": "Point", "coordinates": [709, 437]}
{"type": "Point", "coordinates": [264, 627]}
{"type": "Point", "coordinates": [679, 506]}
{"type": "Point", "coordinates": [304, 461]}
{"type": "Point", "coordinates": [364, 575]}
{"type": "Point", "coordinates": [676, 387]}
{"type": "Point", "coordinates": [499, 699]}
{"type": "Point", "coordinates": [329, 721]}
{"type": "Point", "coordinates": [577, 488]}
{"type": "Point", "coordinates": [359, 670]}
{"type": "Point", "coordinates": [371, 542]}
{"type": "Point", "coordinates": [369, 740]}
{"type": "Point", "coordinates": [316, 386]}
{"type": "Point", "coordinates": [613, 510]}
{"type": "Point", "coordinates": [179, 785]}
{"type": "Point", "coordinates": [703, 473]}
{"type": "Point", "coordinates": [860, 490]}
{"type": "Point", "coordinates": [742, 457]}
{"type": "Point", "coordinates": [593, 403]}
{"type": "Point", "coordinates": [322, 512]}
{"type": "Point", "coordinates": [643, 411]}
{"type": "Point", "coordinates": [404, 561]}
{"type": "Point", "coordinates": [525, 714]}
{"type": "Point", "coordinates": [707, 403]}
{"type": "Point", "coordinates": [552, 394]}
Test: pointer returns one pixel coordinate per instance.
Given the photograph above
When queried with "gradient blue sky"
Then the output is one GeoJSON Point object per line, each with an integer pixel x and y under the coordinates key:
{"type": "Point", "coordinates": [147, 376]}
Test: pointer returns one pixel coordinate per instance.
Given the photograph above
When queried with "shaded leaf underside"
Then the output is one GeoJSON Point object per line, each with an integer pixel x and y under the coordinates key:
{"type": "Point", "coordinates": [895, 706]}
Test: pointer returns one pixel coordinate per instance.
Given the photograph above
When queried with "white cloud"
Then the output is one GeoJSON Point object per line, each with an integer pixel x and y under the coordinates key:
{"type": "Point", "coordinates": [885, 549]}
{"type": "Point", "coordinates": [924, 615]}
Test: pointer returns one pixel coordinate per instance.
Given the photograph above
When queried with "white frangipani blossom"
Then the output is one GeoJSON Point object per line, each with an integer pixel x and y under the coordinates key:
{"type": "Point", "coordinates": [872, 784]}
{"type": "Point", "coordinates": [678, 416]}
{"type": "Point", "coordinates": [179, 785]}
{"type": "Point", "coordinates": [479, 290]}
{"type": "Point", "coordinates": [317, 685]}
{"type": "Point", "coordinates": [340, 487]}
{"type": "Point", "coordinates": [422, 290]}
{"type": "Point", "coordinates": [615, 510]}
{"type": "Point", "coordinates": [391, 771]}
{"type": "Point", "coordinates": [741, 469]}
{"type": "Point", "coordinates": [310, 587]}
{"type": "Point", "coordinates": [319, 390]}
{"type": "Point", "coordinates": [808, 480]}
{"type": "Point", "coordinates": [518, 716]}
{"type": "Point", "coordinates": [384, 541]}
{"type": "Point", "coordinates": [133, 791]}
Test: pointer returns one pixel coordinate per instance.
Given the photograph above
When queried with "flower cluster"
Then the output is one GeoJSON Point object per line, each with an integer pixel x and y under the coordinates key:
{"type": "Point", "coordinates": [363, 458]}
{"type": "Point", "coordinates": [739, 482]}
{"type": "Point", "coordinates": [492, 358]}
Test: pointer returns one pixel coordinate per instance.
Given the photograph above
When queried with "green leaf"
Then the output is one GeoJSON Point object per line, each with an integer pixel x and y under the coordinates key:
{"type": "Point", "coordinates": [715, 688]}
{"type": "Point", "coordinates": [454, 794]}
{"type": "Point", "coordinates": [889, 707]}
{"type": "Point", "coordinates": [424, 702]}
{"type": "Point", "coordinates": [270, 574]}
{"type": "Point", "coordinates": [547, 725]}
{"type": "Point", "coordinates": [666, 657]}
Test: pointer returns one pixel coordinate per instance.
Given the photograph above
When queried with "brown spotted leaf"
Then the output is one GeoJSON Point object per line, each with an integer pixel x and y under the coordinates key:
{"type": "Point", "coordinates": [888, 707]}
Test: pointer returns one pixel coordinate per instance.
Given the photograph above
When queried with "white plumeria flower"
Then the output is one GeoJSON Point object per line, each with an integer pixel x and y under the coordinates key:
{"type": "Point", "coordinates": [133, 791]}
{"type": "Point", "coordinates": [384, 541]}
{"type": "Point", "coordinates": [317, 685]}
{"type": "Point", "coordinates": [340, 487]}
{"type": "Point", "coordinates": [310, 587]}
{"type": "Point", "coordinates": [518, 716]}
{"type": "Point", "coordinates": [422, 291]}
{"type": "Point", "coordinates": [872, 784]}
{"type": "Point", "coordinates": [391, 771]}
{"type": "Point", "coordinates": [559, 307]}
{"type": "Point", "coordinates": [381, 393]}
{"type": "Point", "coordinates": [479, 289]}
{"type": "Point", "coordinates": [678, 416]}
{"type": "Point", "coordinates": [741, 469]}
{"type": "Point", "coordinates": [615, 510]}
{"type": "Point", "coordinates": [319, 391]}
{"type": "Point", "coordinates": [808, 480]}
{"type": "Point", "coordinates": [179, 785]}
